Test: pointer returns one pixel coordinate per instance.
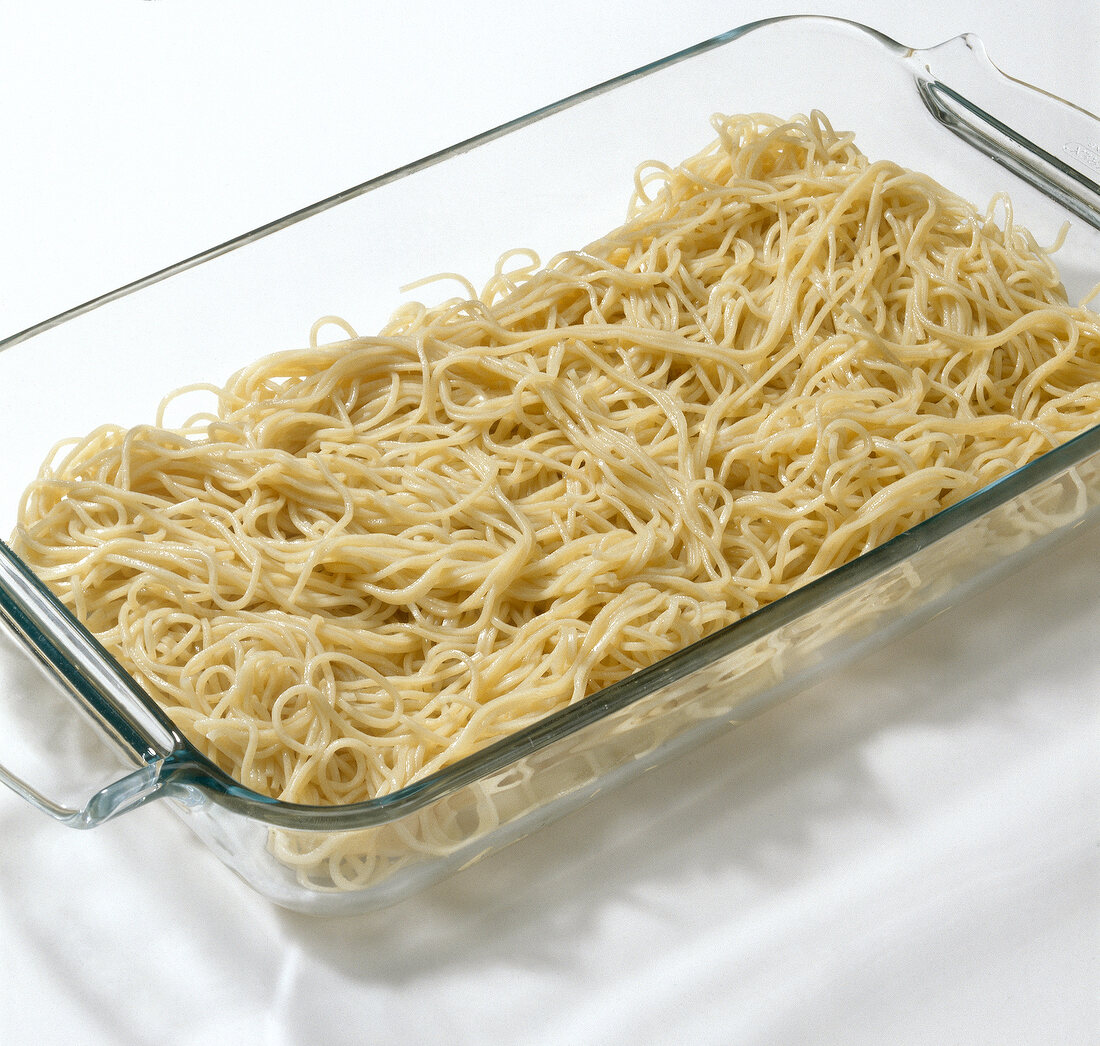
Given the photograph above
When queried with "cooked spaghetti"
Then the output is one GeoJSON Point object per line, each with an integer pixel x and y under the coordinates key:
{"type": "Point", "coordinates": [380, 555]}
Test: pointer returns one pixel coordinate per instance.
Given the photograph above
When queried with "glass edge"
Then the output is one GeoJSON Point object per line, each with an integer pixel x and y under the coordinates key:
{"type": "Point", "coordinates": [430, 160]}
{"type": "Point", "coordinates": [1042, 159]}
{"type": "Point", "coordinates": [63, 646]}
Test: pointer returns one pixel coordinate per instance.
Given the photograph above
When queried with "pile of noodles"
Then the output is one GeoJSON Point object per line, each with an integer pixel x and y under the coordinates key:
{"type": "Point", "coordinates": [383, 554]}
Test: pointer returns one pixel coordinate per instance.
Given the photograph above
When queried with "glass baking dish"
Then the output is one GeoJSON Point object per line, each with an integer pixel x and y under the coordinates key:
{"type": "Point", "coordinates": [551, 180]}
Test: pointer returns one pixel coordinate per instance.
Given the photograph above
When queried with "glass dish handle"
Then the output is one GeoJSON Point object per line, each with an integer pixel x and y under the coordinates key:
{"type": "Point", "coordinates": [1049, 142]}
{"type": "Point", "coordinates": [69, 654]}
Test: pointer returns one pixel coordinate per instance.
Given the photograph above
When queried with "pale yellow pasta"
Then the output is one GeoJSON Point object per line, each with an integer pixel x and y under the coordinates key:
{"type": "Point", "coordinates": [383, 554]}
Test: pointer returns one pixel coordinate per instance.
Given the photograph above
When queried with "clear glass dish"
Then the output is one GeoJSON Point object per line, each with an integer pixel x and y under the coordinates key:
{"type": "Point", "coordinates": [550, 180]}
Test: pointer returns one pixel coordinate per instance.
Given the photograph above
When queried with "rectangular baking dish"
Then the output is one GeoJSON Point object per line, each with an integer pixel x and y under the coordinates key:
{"type": "Point", "coordinates": [83, 743]}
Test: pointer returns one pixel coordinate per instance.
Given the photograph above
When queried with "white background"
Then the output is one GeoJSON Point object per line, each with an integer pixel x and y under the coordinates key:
{"type": "Point", "coordinates": [907, 853]}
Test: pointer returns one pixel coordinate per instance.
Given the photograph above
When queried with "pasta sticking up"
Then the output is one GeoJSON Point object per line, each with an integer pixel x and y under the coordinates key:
{"type": "Point", "coordinates": [381, 555]}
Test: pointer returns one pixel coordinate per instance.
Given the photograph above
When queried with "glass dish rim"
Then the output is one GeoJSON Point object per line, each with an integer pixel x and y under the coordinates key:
{"type": "Point", "coordinates": [440, 155]}
{"type": "Point", "coordinates": [183, 770]}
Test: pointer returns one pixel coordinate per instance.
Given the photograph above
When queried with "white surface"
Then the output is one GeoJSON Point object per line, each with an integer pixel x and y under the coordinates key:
{"type": "Point", "coordinates": [907, 853]}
